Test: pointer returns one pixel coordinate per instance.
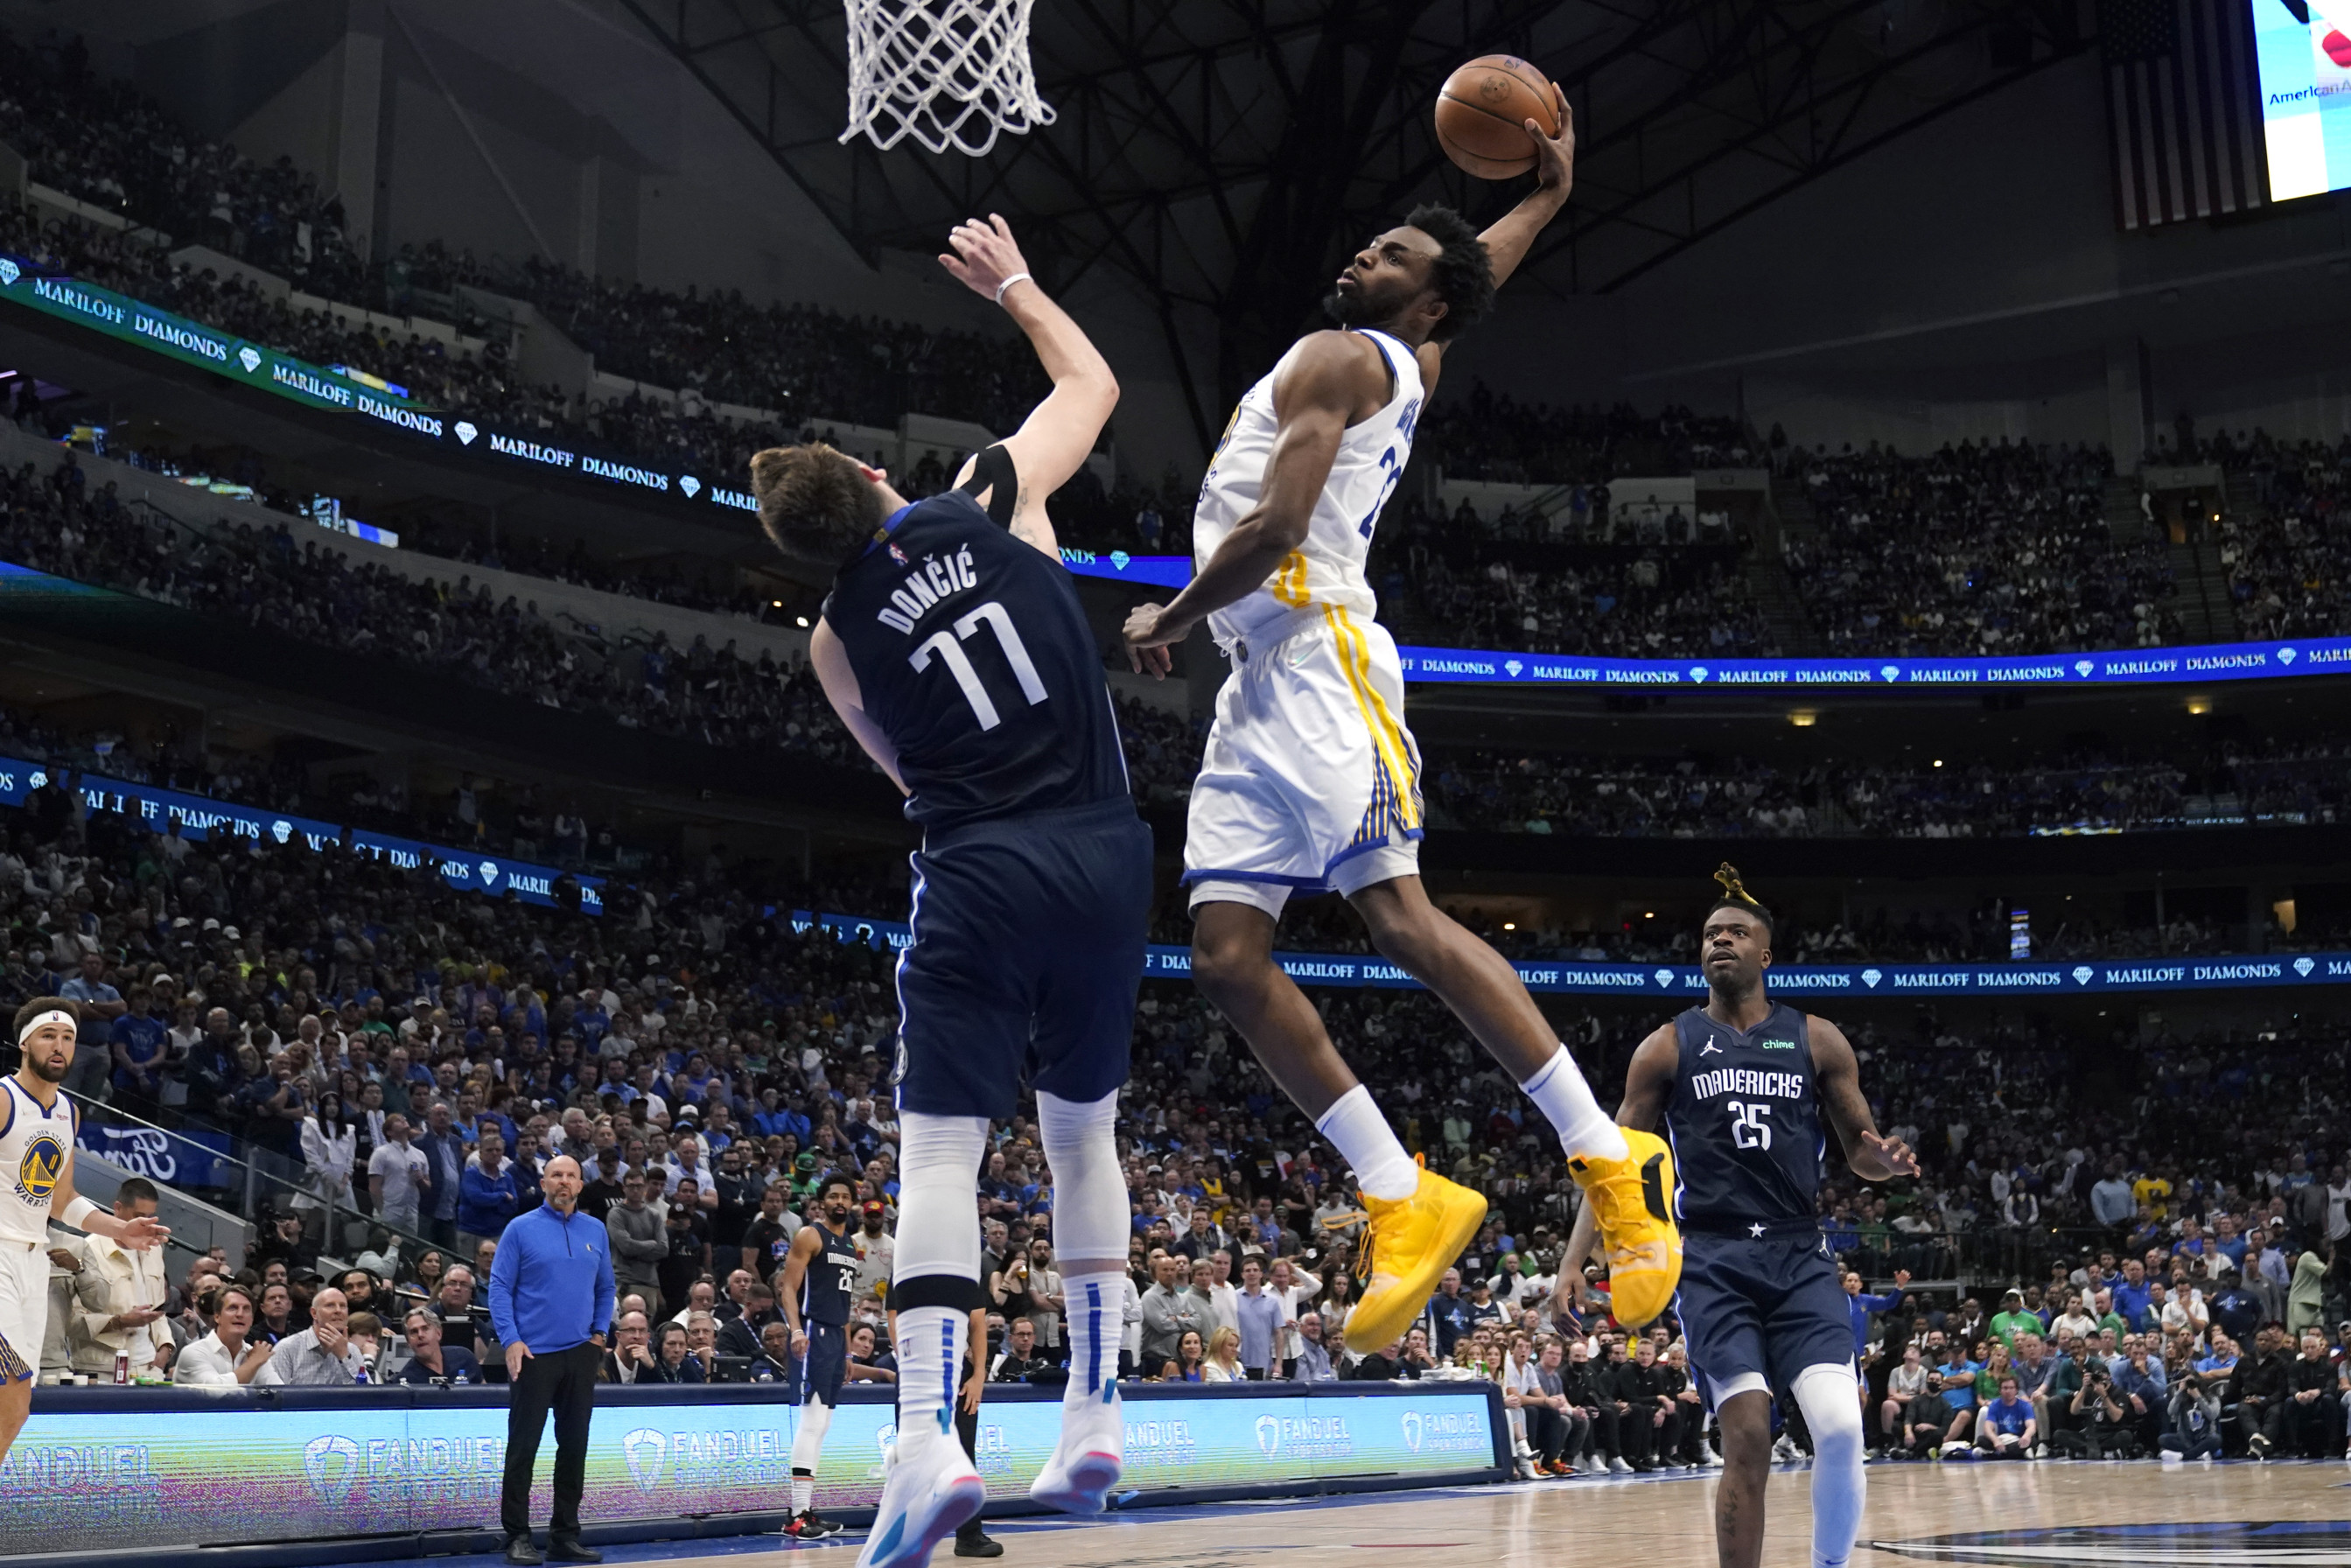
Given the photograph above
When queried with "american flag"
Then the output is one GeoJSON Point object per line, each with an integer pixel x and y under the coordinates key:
{"type": "Point", "coordinates": [2183, 109]}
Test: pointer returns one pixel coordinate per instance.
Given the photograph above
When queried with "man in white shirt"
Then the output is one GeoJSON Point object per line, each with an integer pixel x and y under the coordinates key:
{"type": "Point", "coordinates": [129, 1288]}
{"type": "Point", "coordinates": [1224, 1296]}
{"type": "Point", "coordinates": [686, 1160]}
{"type": "Point", "coordinates": [398, 1175]}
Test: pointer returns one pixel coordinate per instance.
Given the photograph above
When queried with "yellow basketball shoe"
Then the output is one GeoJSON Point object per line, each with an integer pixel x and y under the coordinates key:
{"type": "Point", "coordinates": [1410, 1243]}
{"type": "Point", "coordinates": [1630, 1198]}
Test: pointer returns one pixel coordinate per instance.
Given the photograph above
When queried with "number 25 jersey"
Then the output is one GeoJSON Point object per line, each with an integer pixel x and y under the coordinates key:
{"type": "Point", "coordinates": [974, 656]}
{"type": "Point", "coordinates": [1745, 1121]}
{"type": "Point", "coordinates": [1327, 569]}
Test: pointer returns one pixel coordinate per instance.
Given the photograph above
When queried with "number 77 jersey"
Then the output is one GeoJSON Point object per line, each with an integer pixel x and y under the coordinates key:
{"type": "Point", "coordinates": [974, 656]}
{"type": "Point", "coordinates": [1745, 1122]}
{"type": "Point", "coordinates": [1328, 567]}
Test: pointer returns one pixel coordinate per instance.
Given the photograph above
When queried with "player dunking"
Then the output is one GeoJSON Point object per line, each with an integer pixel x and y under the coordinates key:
{"type": "Point", "coordinates": [955, 648]}
{"type": "Point", "coordinates": [1743, 1082]}
{"type": "Point", "coordinates": [818, 1278]}
{"type": "Point", "coordinates": [1310, 781]}
{"type": "Point", "coordinates": [37, 1143]}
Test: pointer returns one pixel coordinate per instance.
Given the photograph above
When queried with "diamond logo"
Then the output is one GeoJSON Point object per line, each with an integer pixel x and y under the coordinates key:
{"type": "Point", "coordinates": [1269, 1435]}
{"type": "Point", "coordinates": [1698, 672]}
{"type": "Point", "coordinates": [489, 870]}
{"type": "Point", "coordinates": [2082, 666]}
{"type": "Point", "coordinates": [1513, 667]}
{"type": "Point", "coordinates": [2285, 655]}
{"type": "Point", "coordinates": [281, 830]}
{"type": "Point", "coordinates": [645, 1448]}
{"type": "Point", "coordinates": [2082, 973]}
{"type": "Point", "coordinates": [465, 431]}
{"type": "Point", "coordinates": [2304, 966]}
{"type": "Point", "coordinates": [1891, 672]}
{"type": "Point", "coordinates": [38, 778]}
{"type": "Point", "coordinates": [250, 358]}
{"type": "Point", "coordinates": [333, 1464]}
{"type": "Point", "coordinates": [1119, 557]}
{"type": "Point", "coordinates": [1412, 1430]}
{"type": "Point", "coordinates": [1665, 976]}
{"type": "Point", "coordinates": [1871, 976]}
{"type": "Point", "coordinates": [9, 272]}
{"type": "Point", "coordinates": [690, 485]}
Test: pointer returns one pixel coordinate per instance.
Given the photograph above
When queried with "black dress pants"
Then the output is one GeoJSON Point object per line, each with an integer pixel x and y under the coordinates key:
{"type": "Point", "coordinates": [564, 1382]}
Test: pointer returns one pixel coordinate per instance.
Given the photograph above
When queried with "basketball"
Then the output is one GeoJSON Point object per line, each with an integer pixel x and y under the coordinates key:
{"type": "Point", "coordinates": [1482, 112]}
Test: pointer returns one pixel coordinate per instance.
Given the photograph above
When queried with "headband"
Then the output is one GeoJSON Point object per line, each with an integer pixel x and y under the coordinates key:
{"type": "Point", "coordinates": [55, 1015]}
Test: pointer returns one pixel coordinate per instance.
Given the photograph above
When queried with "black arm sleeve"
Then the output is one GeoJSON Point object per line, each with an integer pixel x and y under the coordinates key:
{"type": "Point", "coordinates": [992, 471]}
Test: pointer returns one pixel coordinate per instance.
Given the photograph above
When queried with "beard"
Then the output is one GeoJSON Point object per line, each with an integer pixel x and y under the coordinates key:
{"type": "Point", "coordinates": [43, 1071]}
{"type": "Point", "coordinates": [1347, 310]}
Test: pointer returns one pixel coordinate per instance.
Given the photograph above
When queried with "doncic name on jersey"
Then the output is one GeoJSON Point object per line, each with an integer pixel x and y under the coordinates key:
{"type": "Point", "coordinates": [928, 583]}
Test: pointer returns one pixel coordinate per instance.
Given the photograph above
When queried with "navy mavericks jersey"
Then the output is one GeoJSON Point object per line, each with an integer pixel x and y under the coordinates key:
{"type": "Point", "coordinates": [974, 656]}
{"type": "Point", "coordinates": [1744, 1121]}
{"type": "Point", "coordinates": [831, 1277]}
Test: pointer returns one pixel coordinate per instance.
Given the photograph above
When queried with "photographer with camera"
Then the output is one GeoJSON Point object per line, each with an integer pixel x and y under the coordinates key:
{"type": "Point", "coordinates": [2194, 1417]}
{"type": "Point", "coordinates": [2102, 1423]}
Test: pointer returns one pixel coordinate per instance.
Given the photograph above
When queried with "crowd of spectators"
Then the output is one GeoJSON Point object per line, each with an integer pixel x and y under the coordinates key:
{"type": "Point", "coordinates": [2288, 556]}
{"type": "Point", "coordinates": [1491, 436]}
{"type": "Point", "coordinates": [1644, 605]}
{"type": "Point", "coordinates": [1982, 549]}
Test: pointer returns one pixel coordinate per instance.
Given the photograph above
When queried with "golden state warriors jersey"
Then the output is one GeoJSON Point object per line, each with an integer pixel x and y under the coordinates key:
{"type": "Point", "coordinates": [1327, 569]}
{"type": "Point", "coordinates": [34, 1147]}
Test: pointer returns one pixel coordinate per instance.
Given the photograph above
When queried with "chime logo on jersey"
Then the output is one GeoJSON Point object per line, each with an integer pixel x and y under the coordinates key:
{"type": "Point", "coordinates": [1776, 1045]}
{"type": "Point", "coordinates": [36, 1173]}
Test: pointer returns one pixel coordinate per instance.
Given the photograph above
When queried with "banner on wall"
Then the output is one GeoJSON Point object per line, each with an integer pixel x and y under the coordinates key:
{"type": "Point", "coordinates": [167, 1471]}
{"type": "Point", "coordinates": [1162, 961]}
{"type": "Point", "coordinates": [192, 1157]}
{"type": "Point", "coordinates": [200, 817]}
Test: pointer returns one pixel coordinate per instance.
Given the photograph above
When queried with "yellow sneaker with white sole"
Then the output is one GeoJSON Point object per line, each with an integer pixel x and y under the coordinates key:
{"type": "Point", "coordinates": [1409, 1244]}
{"type": "Point", "coordinates": [1632, 1198]}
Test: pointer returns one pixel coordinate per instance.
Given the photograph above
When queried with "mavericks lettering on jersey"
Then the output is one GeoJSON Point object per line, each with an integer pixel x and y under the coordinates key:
{"type": "Point", "coordinates": [1749, 1082]}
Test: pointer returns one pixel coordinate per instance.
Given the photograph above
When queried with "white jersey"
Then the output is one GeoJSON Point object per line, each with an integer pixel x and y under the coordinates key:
{"type": "Point", "coordinates": [35, 1146]}
{"type": "Point", "coordinates": [1327, 569]}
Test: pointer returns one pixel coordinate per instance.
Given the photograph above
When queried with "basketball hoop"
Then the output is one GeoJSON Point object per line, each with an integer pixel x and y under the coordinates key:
{"type": "Point", "coordinates": [949, 73]}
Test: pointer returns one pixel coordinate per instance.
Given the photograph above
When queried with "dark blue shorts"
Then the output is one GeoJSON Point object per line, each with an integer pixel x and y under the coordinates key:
{"type": "Point", "coordinates": [825, 1367]}
{"type": "Point", "coordinates": [1028, 937]}
{"type": "Point", "coordinates": [1772, 1305]}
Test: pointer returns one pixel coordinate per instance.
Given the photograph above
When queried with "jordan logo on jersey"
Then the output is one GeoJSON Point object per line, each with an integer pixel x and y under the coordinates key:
{"type": "Point", "coordinates": [36, 1173]}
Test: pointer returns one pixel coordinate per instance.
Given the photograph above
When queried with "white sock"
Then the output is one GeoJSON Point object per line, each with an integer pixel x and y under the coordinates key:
{"type": "Point", "coordinates": [1559, 1092]}
{"type": "Point", "coordinates": [1366, 1142]}
{"type": "Point", "coordinates": [1825, 1393]}
{"type": "Point", "coordinates": [1096, 1304]}
{"type": "Point", "coordinates": [803, 1493]}
{"type": "Point", "coordinates": [930, 1365]}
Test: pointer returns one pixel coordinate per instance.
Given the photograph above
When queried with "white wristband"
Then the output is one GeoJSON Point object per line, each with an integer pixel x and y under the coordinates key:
{"type": "Point", "coordinates": [78, 1211]}
{"type": "Point", "coordinates": [1016, 278]}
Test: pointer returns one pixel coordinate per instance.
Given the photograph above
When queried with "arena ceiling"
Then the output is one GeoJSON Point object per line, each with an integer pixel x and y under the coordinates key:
{"type": "Point", "coordinates": [1223, 153]}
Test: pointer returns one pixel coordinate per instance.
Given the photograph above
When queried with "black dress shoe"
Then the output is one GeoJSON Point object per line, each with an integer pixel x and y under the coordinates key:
{"type": "Point", "coordinates": [523, 1554]}
{"type": "Point", "coordinates": [563, 1550]}
{"type": "Point", "coordinates": [978, 1546]}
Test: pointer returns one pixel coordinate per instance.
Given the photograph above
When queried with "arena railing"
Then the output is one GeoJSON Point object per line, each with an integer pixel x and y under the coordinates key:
{"type": "Point", "coordinates": [254, 1182]}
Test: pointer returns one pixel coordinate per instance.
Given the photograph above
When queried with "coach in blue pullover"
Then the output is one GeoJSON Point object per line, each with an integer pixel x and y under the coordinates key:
{"type": "Point", "coordinates": [552, 1303]}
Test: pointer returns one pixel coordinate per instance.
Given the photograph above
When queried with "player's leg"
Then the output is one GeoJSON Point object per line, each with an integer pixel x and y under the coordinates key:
{"type": "Point", "coordinates": [1098, 880]}
{"type": "Point", "coordinates": [1302, 774]}
{"type": "Point", "coordinates": [16, 1406]}
{"type": "Point", "coordinates": [1825, 1393]}
{"type": "Point", "coordinates": [1744, 1412]}
{"type": "Point", "coordinates": [963, 1029]}
{"type": "Point", "coordinates": [1808, 1327]}
{"type": "Point", "coordinates": [24, 1324]}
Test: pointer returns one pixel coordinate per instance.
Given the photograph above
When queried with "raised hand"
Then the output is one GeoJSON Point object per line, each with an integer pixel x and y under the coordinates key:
{"type": "Point", "coordinates": [985, 254]}
{"type": "Point", "coordinates": [1555, 155]}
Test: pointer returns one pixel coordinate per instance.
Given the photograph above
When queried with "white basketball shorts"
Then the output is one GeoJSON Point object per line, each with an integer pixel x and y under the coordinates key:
{"type": "Point", "coordinates": [24, 1309]}
{"type": "Point", "coordinates": [1310, 781]}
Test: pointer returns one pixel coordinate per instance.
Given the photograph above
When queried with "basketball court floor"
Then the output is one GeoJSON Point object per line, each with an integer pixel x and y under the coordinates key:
{"type": "Point", "coordinates": [2289, 1515]}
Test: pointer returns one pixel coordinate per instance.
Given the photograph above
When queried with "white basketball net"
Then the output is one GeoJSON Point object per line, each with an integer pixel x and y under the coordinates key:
{"type": "Point", "coordinates": [949, 73]}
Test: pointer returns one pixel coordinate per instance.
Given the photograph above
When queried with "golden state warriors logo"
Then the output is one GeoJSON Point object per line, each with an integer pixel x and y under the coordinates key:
{"type": "Point", "coordinates": [37, 1172]}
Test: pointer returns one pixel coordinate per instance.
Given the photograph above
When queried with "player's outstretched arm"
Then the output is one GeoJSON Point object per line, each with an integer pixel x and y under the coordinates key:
{"type": "Point", "coordinates": [830, 657]}
{"type": "Point", "coordinates": [1838, 1075]}
{"type": "Point", "coordinates": [131, 1235]}
{"type": "Point", "coordinates": [1059, 432]}
{"type": "Point", "coordinates": [1512, 237]}
{"type": "Point", "coordinates": [1648, 1085]}
{"type": "Point", "coordinates": [1313, 397]}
